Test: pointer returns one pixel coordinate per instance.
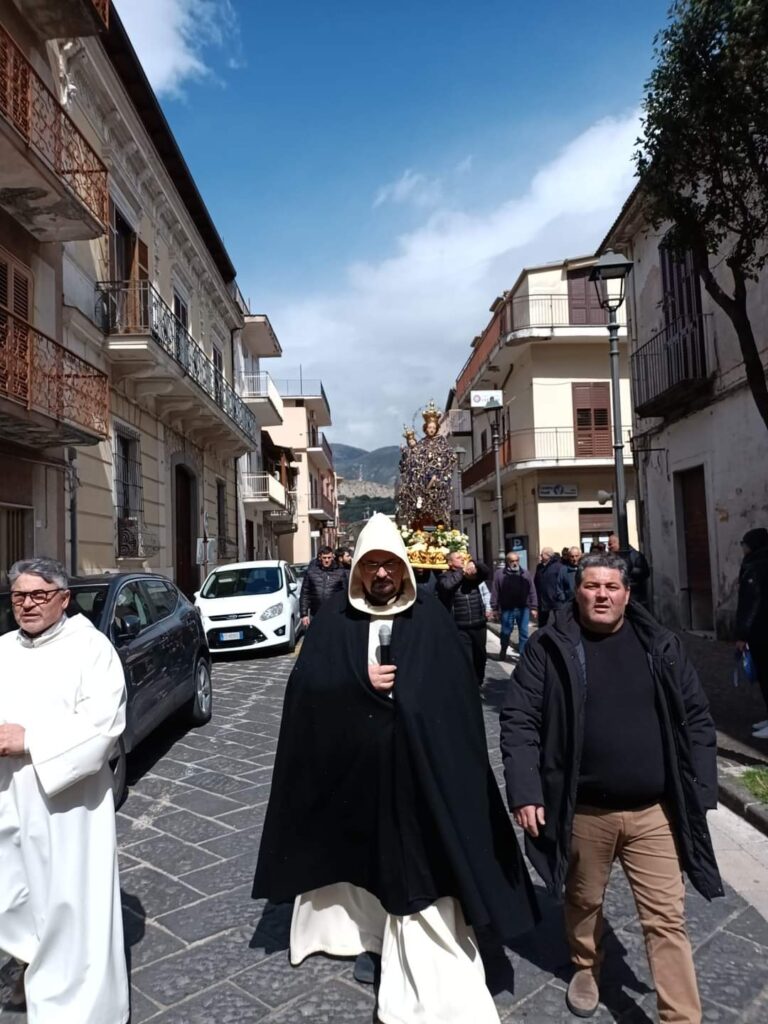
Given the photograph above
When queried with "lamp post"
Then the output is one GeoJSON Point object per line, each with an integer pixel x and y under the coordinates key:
{"type": "Point", "coordinates": [495, 438]}
{"type": "Point", "coordinates": [609, 275]}
{"type": "Point", "coordinates": [460, 453]}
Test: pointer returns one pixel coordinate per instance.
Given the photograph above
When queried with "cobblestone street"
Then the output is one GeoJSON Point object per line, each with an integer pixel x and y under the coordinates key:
{"type": "Point", "coordinates": [201, 951]}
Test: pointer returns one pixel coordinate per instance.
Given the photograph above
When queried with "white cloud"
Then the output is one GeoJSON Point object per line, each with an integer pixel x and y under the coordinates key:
{"type": "Point", "coordinates": [413, 188]}
{"type": "Point", "coordinates": [397, 332]}
{"type": "Point", "coordinates": [172, 38]}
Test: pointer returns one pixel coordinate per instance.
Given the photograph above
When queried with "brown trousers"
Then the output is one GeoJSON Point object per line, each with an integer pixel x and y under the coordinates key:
{"type": "Point", "coordinates": [644, 844]}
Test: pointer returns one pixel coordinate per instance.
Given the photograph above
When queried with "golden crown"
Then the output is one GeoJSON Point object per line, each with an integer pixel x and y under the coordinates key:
{"type": "Point", "coordinates": [432, 413]}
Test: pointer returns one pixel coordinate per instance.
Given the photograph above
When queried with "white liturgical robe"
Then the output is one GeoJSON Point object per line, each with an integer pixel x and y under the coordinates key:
{"type": "Point", "coordinates": [59, 887]}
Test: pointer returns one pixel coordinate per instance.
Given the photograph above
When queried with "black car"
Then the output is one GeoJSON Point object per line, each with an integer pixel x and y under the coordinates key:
{"type": "Point", "coordinates": [159, 637]}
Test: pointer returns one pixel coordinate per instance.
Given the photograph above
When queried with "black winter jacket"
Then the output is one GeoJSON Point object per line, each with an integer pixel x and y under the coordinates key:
{"type": "Point", "coordinates": [639, 572]}
{"type": "Point", "coordinates": [542, 728]}
{"type": "Point", "coordinates": [752, 610]}
{"type": "Point", "coordinates": [552, 584]}
{"type": "Point", "coordinates": [319, 584]}
{"type": "Point", "coordinates": [461, 595]}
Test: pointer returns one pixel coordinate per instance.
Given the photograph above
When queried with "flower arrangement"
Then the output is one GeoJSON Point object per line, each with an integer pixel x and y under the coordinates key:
{"type": "Point", "coordinates": [429, 549]}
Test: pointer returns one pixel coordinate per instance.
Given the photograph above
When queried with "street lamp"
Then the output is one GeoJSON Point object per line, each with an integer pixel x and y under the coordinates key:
{"type": "Point", "coordinates": [460, 453]}
{"type": "Point", "coordinates": [609, 275]}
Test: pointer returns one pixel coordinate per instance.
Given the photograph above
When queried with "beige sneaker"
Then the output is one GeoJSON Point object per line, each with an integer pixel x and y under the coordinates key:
{"type": "Point", "coordinates": [583, 995]}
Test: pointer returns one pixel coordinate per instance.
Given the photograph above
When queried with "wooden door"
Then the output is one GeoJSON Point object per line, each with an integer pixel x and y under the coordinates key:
{"type": "Point", "coordinates": [698, 572]}
{"type": "Point", "coordinates": [187, 575]}
{"type": "Point", "coordinates": [249, 541]}
{"type": "Point", "coordinates": [681, 303]}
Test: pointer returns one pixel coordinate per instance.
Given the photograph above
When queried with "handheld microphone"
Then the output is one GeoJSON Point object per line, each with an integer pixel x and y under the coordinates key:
{"type": "Point", "coordinates": [385, 640]}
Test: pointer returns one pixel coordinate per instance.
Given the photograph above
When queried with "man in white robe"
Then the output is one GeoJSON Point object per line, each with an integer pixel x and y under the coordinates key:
{"type": "Point", "coordinates": [62, 706]}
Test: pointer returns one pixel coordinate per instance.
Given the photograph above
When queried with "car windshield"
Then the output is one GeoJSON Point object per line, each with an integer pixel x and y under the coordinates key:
{"type": "Point", "coordinates": [241, 582]}
{"type": "Point", "coordinates": [88, 600]}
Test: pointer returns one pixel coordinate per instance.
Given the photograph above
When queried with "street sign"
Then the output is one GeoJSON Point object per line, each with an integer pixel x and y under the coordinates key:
{"type": "Point", "coordinates": [558, 491]}
{"type": "Point", "coordinates": [486, 399]}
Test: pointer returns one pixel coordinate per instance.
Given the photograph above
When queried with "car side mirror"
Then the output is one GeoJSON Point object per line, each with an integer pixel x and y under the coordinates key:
{"type": "Point", "coordinates": [127, 628]}
{"type": "Point", "coordinates": [292, 588]}
{"type": "Point", "coordinates": [196, 594]}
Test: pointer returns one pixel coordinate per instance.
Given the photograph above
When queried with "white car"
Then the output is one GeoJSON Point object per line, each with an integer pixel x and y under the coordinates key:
{"type": "Point", "coordinates": [250, 605]}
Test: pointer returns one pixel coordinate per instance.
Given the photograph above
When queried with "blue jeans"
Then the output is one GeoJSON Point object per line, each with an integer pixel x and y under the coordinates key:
{"type": "Point", "coordinates": [511, 617]}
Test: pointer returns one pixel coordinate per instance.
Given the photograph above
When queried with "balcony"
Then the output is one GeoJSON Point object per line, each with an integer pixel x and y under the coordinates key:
{"type": "Point", "coordinates": [322, 508]}
{"type": "Point", "coordinates": [67, 19]}
{"type": "Point", "coordinates": [312, 396]}
{"type": "Point", "coordinates": [540, 448]}
{"type": "Point", "coordinates": [673, 368]}
{"type": "Point", "coordinates": [48, 395]}
{"type": "Point", "coordinates": [284, 521]}
{"type": "Point", "coordinates": [262, 398]}
{"type": "Point", "coordinates": [264, 490]}
{"type": "Point", "coordinates": [525, 317]}
{"type": "Point", "coordinates": [51, 180]}
{"type": "Point", "coordinates": [320, 452]}
{"type": "Point", "coordinates": [151, 348]}
{"type": "Point", "coordinates": [258, 337]}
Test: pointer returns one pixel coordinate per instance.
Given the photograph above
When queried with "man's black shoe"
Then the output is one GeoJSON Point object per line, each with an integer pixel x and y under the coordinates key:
{"type": "Point", "coordinates": [366, 967]}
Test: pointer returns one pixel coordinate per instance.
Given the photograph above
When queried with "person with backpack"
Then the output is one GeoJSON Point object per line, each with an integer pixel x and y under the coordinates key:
{"type": "Point", "coordinates": [514, 601]}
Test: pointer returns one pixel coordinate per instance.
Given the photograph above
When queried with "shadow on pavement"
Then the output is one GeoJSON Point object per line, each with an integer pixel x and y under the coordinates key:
{"type": "Point", "coordinates": [134, 927]}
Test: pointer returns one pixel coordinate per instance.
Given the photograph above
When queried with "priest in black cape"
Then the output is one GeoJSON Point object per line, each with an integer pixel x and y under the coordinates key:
{"type": "Point", "coordinates": [385, 824]}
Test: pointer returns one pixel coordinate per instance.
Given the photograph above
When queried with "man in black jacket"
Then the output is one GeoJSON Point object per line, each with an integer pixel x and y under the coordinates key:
{"type": "Point", "coordinates": [551, 583]}
{"type": "Point", "coordinates": [323, 578]}
{"type": "Point", "coordinates": [459, 590]}
{"type": "Point", "coordinates": [752, 612]}
{"type": "Point", "coordinates": [637, 566]}
{"type": "Point", "coordinates": [610, 751]}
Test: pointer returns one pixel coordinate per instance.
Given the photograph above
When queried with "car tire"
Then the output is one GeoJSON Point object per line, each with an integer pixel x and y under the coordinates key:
{"type": "Point", "coordinates": [201, 705]}
{"type": "Point", "coordinates": [290, 647]}
{"type": "Point", "coordinates": [119, 767]}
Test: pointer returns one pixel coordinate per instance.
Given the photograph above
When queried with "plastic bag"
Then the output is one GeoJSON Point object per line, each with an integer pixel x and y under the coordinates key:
{"type": "Point", "coordinates": [744, 669]}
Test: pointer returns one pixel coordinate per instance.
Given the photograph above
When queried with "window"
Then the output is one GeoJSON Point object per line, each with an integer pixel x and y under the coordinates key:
{"type": "Point", "coordinates": [129, 503]}
{"type": "Point", "coordinates": [16, 298]}
{"type": "Point", "coordinates": [592, 420]}
{"type": "Point", "coordinates": [239, 582]}
{"type": "Point", "coordinates": [484, 441]}
{"type": "Point", "coordinates": [218, 373]}
{"type": "Point", "coordinates": [128, 265]}
{"type": "Point", "coordinates": [131, 602]}
{"type": "Point", "coordinates": [163, 596]}
{"type": "Point", "coordinates": [583, 305]}
{"type": "Point", "coordinates": [181, 310]}
{"type": "Point", "coordinates": [221, 516]}
{"type": "Point", "coordinates": [15, 286]}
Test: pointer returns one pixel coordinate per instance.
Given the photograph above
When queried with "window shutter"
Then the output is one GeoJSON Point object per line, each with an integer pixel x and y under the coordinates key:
{"type": "Point", "coordinates": [592, 420]}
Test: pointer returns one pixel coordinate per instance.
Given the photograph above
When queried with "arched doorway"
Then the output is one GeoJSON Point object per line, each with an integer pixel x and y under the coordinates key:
{"type": "Point", "coordinates": [185, 519]}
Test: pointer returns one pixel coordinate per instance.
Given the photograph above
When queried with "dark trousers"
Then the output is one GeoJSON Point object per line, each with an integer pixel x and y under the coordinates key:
{"type": "Point", "coordinates": [759, 650]}
{"type": "Point", "coordinates": [544, 614]}
{"type": "Point", "coordinates": [473, 638]}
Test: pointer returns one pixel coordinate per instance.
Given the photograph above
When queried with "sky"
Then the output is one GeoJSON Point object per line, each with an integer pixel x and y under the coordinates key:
{"type": "Point", "coordinates": [381, 170]}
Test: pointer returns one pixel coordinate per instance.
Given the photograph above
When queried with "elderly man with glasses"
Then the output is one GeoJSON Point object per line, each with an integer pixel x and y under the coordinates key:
{"type": "Point", "coordinates": [62, 703]}
{"type": "Point", "coordinates": [385, 825]}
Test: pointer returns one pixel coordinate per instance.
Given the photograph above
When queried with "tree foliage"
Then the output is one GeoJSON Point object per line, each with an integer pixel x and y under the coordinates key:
{"type": "Point", "coordinates": [703, 157]}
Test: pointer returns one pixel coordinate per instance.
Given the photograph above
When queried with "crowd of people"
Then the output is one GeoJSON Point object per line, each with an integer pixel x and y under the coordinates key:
{"type": "Point", "coordinates": [385, 827]}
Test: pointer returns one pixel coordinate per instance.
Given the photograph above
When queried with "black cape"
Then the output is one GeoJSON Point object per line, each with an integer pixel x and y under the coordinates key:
{"type": "Point", "coordinates": [395, 796]}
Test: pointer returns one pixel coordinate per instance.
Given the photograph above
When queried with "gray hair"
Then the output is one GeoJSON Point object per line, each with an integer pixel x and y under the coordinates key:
{"type": "Point", "coordinates": [46, 568]}
{"type": "Point", "coordinates": [603, 561]}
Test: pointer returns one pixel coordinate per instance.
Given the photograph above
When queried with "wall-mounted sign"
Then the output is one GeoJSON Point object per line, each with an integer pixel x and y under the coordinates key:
{"type": "Point", "coordinates": [558, 491]}
{"type": "Point", "coordinates": [486, 399]}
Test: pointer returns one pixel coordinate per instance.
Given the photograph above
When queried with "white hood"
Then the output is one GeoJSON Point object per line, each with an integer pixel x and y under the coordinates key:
{"type": "Point", "coordinates": [381, 534]}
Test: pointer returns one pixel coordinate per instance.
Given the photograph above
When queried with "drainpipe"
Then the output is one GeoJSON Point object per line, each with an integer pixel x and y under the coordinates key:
{"type": "Point", "coordinates": [73, 485]}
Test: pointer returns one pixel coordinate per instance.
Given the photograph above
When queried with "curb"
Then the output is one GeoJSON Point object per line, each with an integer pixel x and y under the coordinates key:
{"type": "Point", "coordinates": [738, 799]}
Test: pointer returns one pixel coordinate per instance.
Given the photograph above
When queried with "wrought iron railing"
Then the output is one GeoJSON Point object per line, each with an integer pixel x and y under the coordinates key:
{"type": "Point", "coordinates": [40, 374]}
{"type": "Point", "coordinates": [36, 114]}
{"type": "Point", "coordinates": [545, 444]}
{"type": "Point", "coordinates": [671, 362]}
{"type": "Point", "coordinates": [135, 307]}
{"type": "Point", "coordinates": [320, 503]}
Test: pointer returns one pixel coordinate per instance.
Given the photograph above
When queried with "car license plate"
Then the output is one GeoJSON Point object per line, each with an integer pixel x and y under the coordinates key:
{"type": "Point", "coordinates": [224, 637]}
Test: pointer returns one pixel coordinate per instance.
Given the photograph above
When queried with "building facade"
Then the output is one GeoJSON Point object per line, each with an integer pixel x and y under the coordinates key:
{"type": "Point", "coordinates": [546, 348]}
{"type": "Point", "coordinates": [700, 445]}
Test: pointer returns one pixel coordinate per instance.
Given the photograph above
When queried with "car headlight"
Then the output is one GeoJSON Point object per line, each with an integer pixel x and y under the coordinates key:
{"type": "Point", "coordinates": [272, 611]}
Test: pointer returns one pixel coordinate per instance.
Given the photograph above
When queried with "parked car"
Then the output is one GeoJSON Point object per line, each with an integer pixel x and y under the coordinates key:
{"type": "Point", "coordinates": [159, 636]}
{"type": "Point", "coordinates": [300, 569]}
{"type": "Point", "coordinates": [250, 605]}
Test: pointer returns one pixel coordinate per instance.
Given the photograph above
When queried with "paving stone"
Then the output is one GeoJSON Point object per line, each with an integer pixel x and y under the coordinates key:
{"type": "Point", "coordinates": [332, 1002]}
{"type": "Point", "coordinates": [217, 782]}
{"type": "Point", "coordinates": [172, 855]}
{"type": "Point", "coordinates": [212, 915]}
{"type": "Point", "coordinates": [275, 982]}
{"type": "Point", "coordinates": [156, 892]}
{"type": "Point", "coordinates": [146, 942]}
{"type": "Point", "coordinates": [236, 843]}
{"type": "Point", "coordinates": [222, 1004]}
{"type": "Point", "coordinates": [210, 805]}
{"type": "Point", "coordinates": [749, 924]}
{"type": "Point", "coordinates": [227, 765]}
{"type": "Point", "coordinates": [245, 817]}
{"type": "Point", "coordinates": [142, 1009]}
{"type": "Point", "coordinates": [731, 971]}
{"type": "Point", "coordinates": [191, 827]}
{"type": "Point", "coordinates": [224, 876]}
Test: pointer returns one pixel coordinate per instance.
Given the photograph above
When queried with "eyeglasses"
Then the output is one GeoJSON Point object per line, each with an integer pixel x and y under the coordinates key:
{"type": "Point", "coordinates": [389, 566]}
{"type": "Point", "coordinates": [37, 597]}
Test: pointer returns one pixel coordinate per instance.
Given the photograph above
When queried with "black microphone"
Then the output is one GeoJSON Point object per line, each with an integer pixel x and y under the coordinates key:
{"type": "Point", "coordinates": [385, 639]}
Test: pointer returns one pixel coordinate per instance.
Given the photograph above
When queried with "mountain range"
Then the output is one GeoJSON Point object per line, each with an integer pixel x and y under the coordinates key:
{"type": "Point", "coordinates": [379, 466]}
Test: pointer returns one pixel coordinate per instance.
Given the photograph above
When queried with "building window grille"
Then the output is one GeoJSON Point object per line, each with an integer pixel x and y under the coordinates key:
{"type": "Point", "coordinates": [129, 497]}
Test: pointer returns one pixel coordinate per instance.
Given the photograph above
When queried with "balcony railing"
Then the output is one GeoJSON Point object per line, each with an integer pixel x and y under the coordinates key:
{"type": "Point", "coordinates": [545, 445]}
{"type": "Point", "coordinates": [320, 441]}
{"type": "Point", "coordinates": [671, 367]}
{"type": "Point", "coordinates": [258, 385]}
{"type": "Point", "coordinates": [263, 487]}
{"type": "Point", "coordinates": [135, 307]}
{"type": "Point", "coordinates": [300, 388]}
{"type": "Point", "coordinates": [322, 504]}
{"type": "Point", "coordinates": [478, 358]}
{"type": "Point", "coordinates": [36, 114]}
{"type": "Point", "coordinates": [40, 374]}
{"type": "Point", "coordinates": [284, 520]}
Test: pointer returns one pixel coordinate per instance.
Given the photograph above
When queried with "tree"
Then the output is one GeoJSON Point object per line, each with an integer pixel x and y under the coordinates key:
{"type": "Point", "coordinates": [703, 157]}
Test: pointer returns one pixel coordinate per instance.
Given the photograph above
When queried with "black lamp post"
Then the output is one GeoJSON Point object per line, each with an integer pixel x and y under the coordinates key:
{"type": "Point", "coordinates": [609, 275]}
{"type": "Point", "coordinates": [460, 453]}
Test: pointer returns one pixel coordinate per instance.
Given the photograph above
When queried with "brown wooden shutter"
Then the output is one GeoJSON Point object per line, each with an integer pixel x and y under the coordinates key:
{"type": "Point", "coordinates": [592, 420]}
{"type": "Point", "coordinates": [583, 305]}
